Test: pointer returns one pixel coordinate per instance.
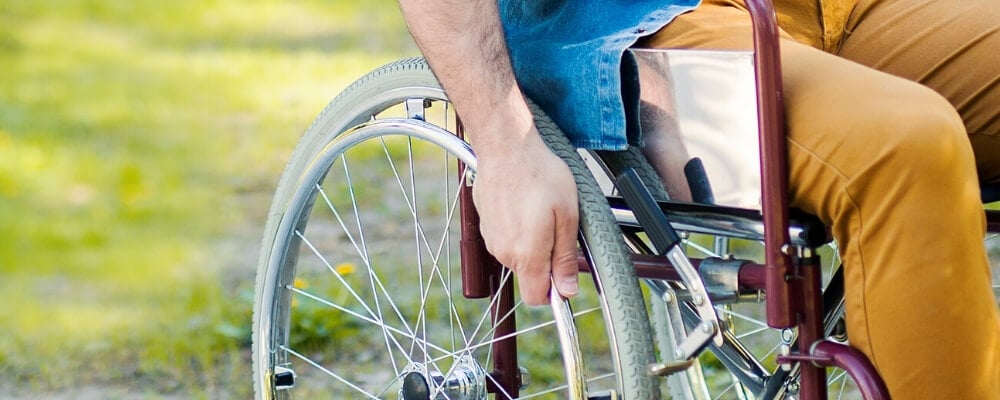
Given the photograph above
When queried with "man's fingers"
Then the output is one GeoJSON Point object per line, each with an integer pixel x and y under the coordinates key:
{"type": "Point", "coordinates": [564, 259]}
{"type": "Point", "coordinates": [533, 280]}
{"type": "Point", "coordinates": [537, 237]}
{"type": "Point", "coordinates": [530, 260]}
{"type": "Point", "coordinates": [564, 273]}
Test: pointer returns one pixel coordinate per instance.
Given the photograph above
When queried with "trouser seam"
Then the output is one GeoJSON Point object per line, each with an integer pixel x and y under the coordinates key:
{"type": "Point", "coordinates": [857, 237]}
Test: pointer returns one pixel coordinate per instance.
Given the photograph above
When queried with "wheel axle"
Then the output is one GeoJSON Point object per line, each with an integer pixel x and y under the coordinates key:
{"type": "Point", "coordinates": [466, 381]}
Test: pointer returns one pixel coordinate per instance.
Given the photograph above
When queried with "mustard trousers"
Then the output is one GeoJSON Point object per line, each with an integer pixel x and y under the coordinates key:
{"type": "Point", "coordinates": [893, 112]}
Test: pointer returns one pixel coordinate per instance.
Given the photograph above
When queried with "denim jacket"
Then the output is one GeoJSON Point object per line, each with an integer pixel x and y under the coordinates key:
{"type": "Point", "coordinates": [568, 57]}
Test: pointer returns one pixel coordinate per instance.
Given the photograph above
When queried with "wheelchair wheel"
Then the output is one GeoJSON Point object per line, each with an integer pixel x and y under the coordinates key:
{"type": "Point", "coordinates": [359, 288]}
{"type": "Point", "coordinates": [744, 368]}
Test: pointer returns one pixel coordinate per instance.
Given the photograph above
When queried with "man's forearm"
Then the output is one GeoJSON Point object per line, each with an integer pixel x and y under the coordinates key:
{"type": "Point", "coordinates": [528, 222]}
{"type": "Point", "coordinates": [463, 42]}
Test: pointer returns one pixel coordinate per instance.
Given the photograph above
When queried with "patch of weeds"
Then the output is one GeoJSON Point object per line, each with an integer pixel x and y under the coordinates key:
{"type": "Point", "coordinates": [124, 142]}
{"type": "Point", "coordinates": [206, 347]}
{"type": "Point", "coordinates": [316, 327]}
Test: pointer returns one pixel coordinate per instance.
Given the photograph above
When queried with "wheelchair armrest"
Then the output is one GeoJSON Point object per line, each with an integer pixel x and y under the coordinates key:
{"type": "Point", "coordinates": [804, 229]}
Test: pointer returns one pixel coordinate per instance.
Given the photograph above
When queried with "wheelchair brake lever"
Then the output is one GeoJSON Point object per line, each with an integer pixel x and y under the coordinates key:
{"type": "Point", "coordinates": [666, 241]}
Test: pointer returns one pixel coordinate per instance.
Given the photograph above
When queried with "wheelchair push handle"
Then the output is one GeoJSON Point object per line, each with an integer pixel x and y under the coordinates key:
{"type": "Point", "coordinates": [666, 241]}
{"type": "Point", "coordinates": [647, 212]}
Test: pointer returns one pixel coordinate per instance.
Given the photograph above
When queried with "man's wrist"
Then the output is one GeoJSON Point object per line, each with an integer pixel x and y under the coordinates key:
{"type": "Point", "coordinates": [505, 128]}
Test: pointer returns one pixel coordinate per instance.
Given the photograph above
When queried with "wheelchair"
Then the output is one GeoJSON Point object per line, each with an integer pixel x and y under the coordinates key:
{"type": "Point", "coordinates": [373, 281]}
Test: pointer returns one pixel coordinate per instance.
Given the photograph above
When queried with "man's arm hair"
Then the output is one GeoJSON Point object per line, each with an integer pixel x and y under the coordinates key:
{"type": "Point", "coordinates": [527, 220]}
{"type": "Point", "coordinates": [463, 42]}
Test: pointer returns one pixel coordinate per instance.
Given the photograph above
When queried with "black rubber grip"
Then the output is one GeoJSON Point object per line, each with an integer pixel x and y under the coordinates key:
{"type": "Point", "coordinates": [647, 212]}
{"type": "Point", "coordinates": [701, 190]}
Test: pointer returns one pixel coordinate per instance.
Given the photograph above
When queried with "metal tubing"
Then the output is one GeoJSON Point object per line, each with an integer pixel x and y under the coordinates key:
{"type": "Point", "coordinates": [774, 162]}
{"type": "Point", "coordinates": [505, 368]}
{"type": "Point", "coordinates": [480, 279]}
{"type": "Point", "coordinates": [751, 275]}
{"type": "Point", "coordinates": [569, 344]}
{"type": "Point", "coordinates": [810, 296]}
{"type": "Point", "coordinates": [731, 222]}
{"type": "Point", "coordinates": [857, 366]}
{"type": "Point", "coordinates": [477, 263]}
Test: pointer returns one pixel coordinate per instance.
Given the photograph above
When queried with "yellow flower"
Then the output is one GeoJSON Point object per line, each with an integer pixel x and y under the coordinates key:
{"type": "Point", "coordinates": [345, 268]}
{"type": "Point", "coordinates": [300, 283]}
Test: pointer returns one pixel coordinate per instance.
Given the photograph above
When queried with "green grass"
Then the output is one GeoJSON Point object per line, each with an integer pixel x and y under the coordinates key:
{"type": "Point", "coordinates": [139, 142]}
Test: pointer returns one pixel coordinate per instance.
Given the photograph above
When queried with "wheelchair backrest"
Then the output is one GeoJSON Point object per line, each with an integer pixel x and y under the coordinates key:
{"type": "Point", "coordinates": [715, 98]}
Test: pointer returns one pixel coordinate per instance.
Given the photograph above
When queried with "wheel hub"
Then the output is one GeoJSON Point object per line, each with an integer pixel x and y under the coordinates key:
{"type": "Point", "coordinates": [465, 381]}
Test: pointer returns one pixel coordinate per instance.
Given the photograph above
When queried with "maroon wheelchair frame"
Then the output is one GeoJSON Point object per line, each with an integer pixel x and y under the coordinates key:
{"type": "Point", "coordinates": [790, 275]}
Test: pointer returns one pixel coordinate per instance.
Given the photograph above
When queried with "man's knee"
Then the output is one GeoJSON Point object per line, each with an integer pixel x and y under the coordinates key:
{"type": "Point", "coordinates": [922, 133]}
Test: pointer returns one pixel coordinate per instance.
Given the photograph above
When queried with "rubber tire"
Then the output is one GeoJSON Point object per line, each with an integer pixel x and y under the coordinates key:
{"type": "Point", "coordinates": [624, 310]}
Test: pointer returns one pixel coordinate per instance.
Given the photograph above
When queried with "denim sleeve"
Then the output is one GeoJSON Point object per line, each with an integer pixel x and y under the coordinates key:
{"type": "Point", "coordinates": [567, 57]}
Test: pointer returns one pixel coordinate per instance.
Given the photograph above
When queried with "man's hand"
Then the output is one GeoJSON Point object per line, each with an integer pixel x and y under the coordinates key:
{"type": "Point", "coordinates": [526, 196]}
{"type": "Point", "coordinates": [529, 217]}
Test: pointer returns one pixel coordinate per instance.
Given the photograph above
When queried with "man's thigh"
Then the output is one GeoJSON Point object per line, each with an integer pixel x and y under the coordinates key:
{"type": "Point", "coordinates": [835, 109]}
{"type": "Point", "coordinates": [952, 47]}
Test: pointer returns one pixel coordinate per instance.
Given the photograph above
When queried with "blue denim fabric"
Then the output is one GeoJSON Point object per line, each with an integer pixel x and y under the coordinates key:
{"type": "Point", "coordinates": [568, 57]}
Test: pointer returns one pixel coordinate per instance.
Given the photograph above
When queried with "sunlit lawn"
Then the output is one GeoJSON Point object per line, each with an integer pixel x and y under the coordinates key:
{"type": "Point", "coordinates": [139, 141]}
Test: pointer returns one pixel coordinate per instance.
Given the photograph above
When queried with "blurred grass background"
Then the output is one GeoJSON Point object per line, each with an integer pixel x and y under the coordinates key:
{"type": "Point", "coordinates": [139, 144]}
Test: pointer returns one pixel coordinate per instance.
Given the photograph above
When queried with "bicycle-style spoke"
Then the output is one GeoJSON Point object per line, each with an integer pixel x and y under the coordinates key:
{"type": "Point", "coordinates": [389, 386]}
{"type": "Point", "coordinates": [374, 279]}
{"type": "Point", "coordinates": [446, 237]}
{"type": "Point", "coordinates": [375, 316]}
{"type": "Point", "coordinates": [421, 322]}
{"type": "Point", "coordinates": [702, 249]}
{"type": "Point", "coordinates": [380, 324]}
{"type": "Point", "coordinates": [770, 352]}
{"type": "Point", "coordinates": [420, 237]}
{"type": "Point", "coordinates": [560, 388]}
{"type": "Point", "coordinates": [745, 335]}
{"type": "Point", "coordinates": [425, 278]}
{"type": "Point", "coordinates": [426, 325]}
{"type": "Point", "coordinates": [364, 253]}
{"type": "Point", "coordinates": [487, 313]}
{"type": "Point", "coordinates": [410, 200]}
{"type": "Point", "coordinates": [435, 272]}
{"type": "Point", "coordinates": [502, 390]}
{"type": "Point", "coordinates": [367, 262]}
{"type": "Point", "coordinates": [488, 342]}
{"type": "Point", "coordinates": [433, 277]}
{"type": "Point", "coordinates": [446, 354]}
{"type": "Point", "coordinates": [744, 317]}
{"type": "Point", "coordinates": [505, 277]}
{"type": "Point", "coordinates": [519, 332]}
{"type": "Point", "coordinates": [328, 372]}
{"type": "Point", "coordinates": [326, 263]}
{"type": "Point", "coordinates": [843, 379]}
{"type": "Point", "coordinates": [318, 366]}
{"type": "Point", "coordinates": [446, 241]}
{"type": "Point", "coordinates": [730, 388]}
